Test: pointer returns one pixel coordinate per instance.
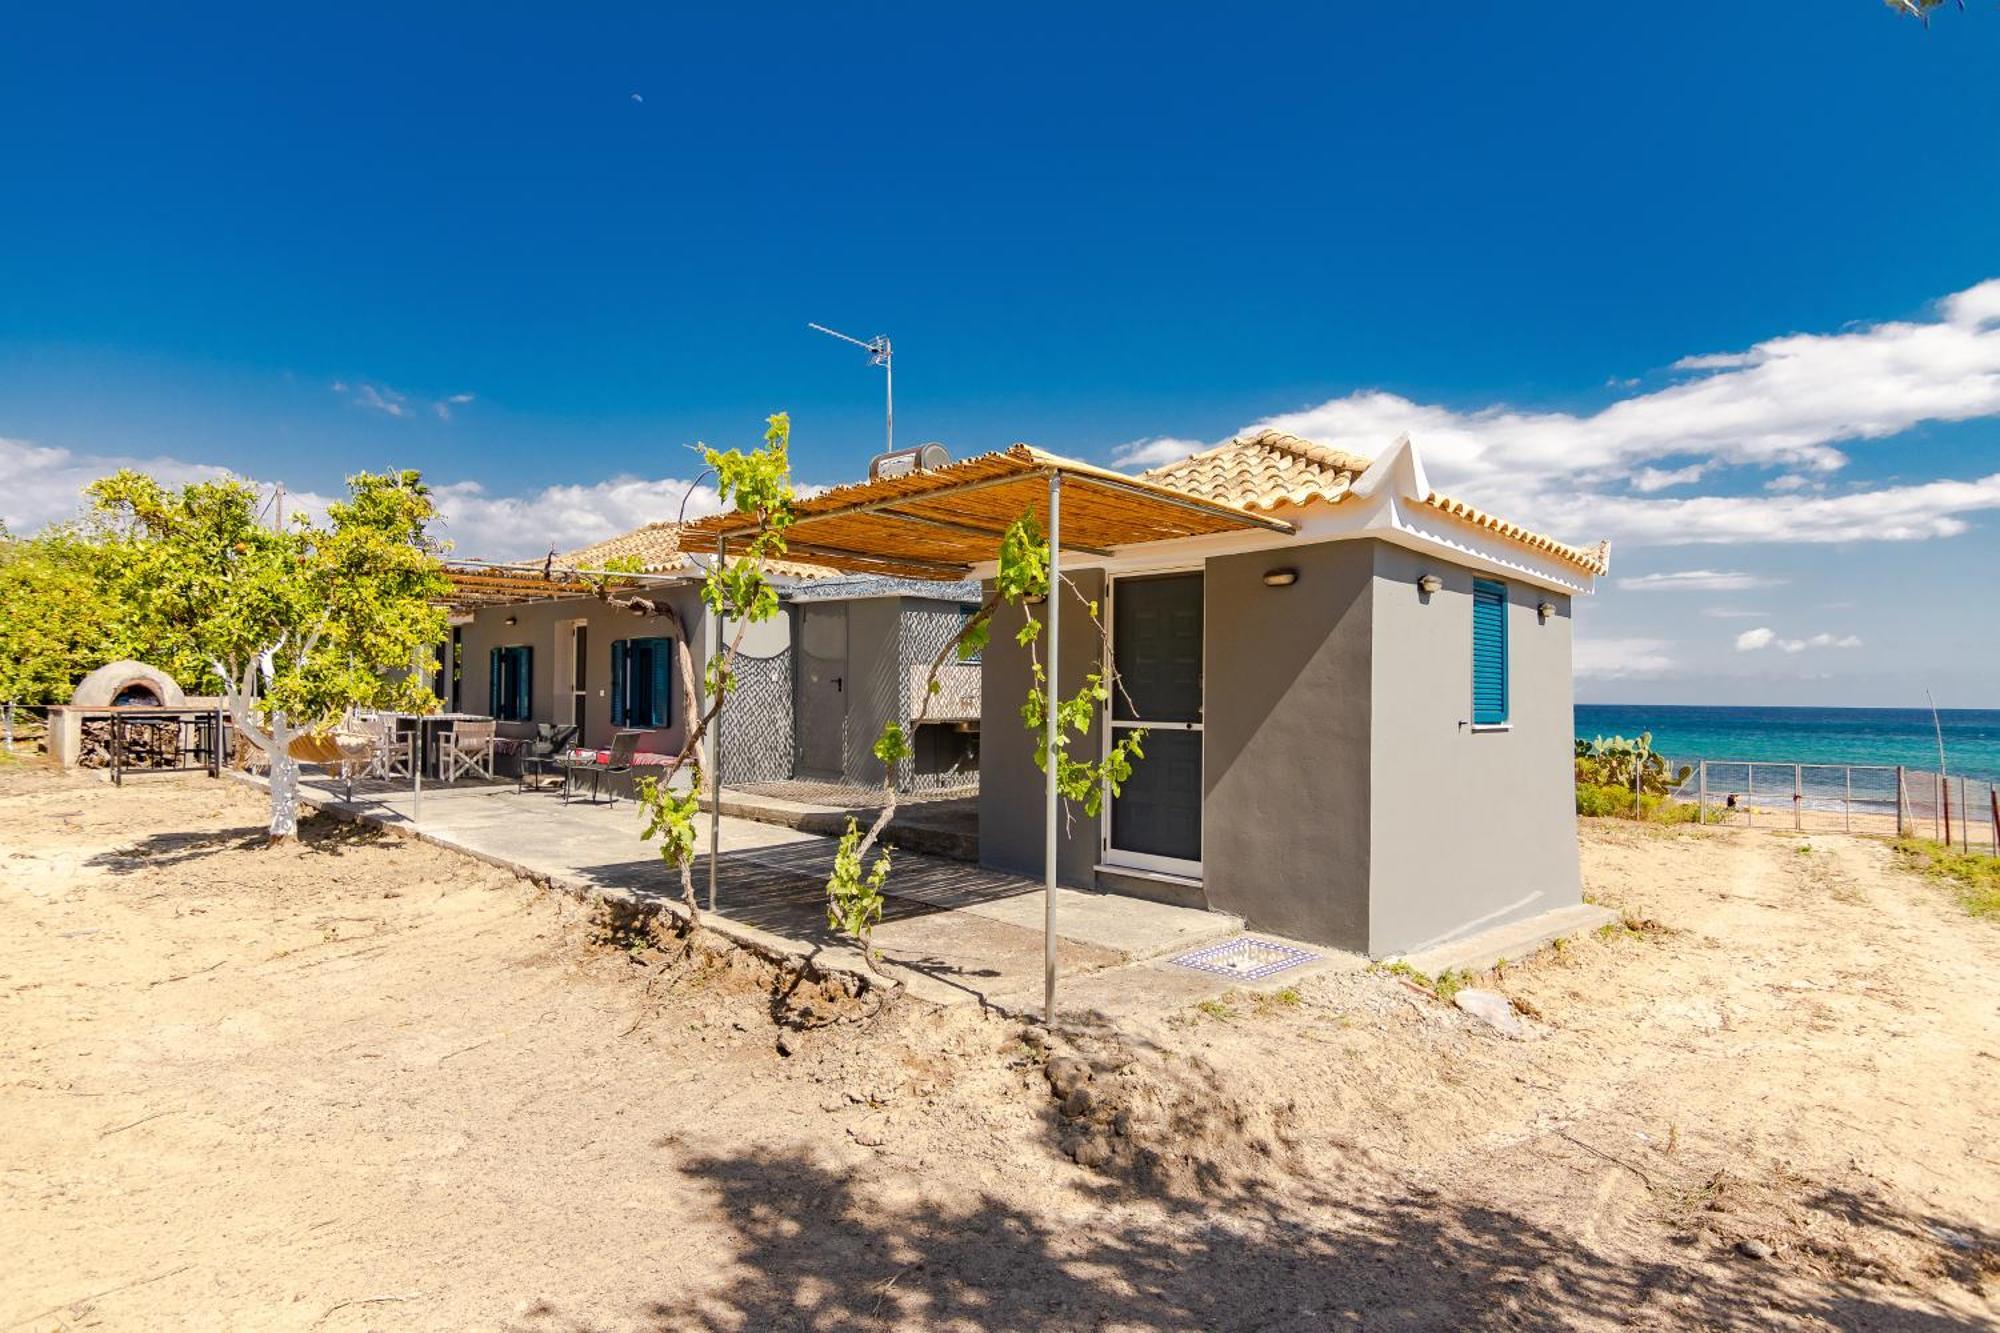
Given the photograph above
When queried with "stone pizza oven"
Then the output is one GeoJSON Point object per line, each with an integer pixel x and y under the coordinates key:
{"type": "Point", "coordinates": [80, 731]}
{"type": "Point", "coordinates": [125, 684]}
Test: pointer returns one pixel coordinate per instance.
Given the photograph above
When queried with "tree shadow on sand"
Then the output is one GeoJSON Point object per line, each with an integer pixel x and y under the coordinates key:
{"type": "Point", "coordinates": [320, 834]}
{"type": "Point", "coordinates": [814, 1251]}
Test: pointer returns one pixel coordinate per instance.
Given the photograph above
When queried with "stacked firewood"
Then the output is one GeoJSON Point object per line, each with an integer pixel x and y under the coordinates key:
{"type": "Point", "coordinates": [147, 744]}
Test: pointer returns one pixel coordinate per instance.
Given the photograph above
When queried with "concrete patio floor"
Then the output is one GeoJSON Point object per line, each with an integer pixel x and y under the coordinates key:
{"type": "Point", "coordinates": [953, 932]}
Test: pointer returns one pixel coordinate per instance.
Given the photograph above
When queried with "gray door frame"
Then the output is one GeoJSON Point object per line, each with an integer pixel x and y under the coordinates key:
{"type": "Point", "coordinates": [1107, 853]}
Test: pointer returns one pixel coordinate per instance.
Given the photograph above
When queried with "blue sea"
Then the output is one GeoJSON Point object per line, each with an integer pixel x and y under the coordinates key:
{"type": "Point", "coordinates": [1831, 736]}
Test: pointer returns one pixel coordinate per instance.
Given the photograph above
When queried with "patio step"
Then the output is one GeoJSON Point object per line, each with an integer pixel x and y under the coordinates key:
{"type": "Point", "coordinates": [1153, 885]}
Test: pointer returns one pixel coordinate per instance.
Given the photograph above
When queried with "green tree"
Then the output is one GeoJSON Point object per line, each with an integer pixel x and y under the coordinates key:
{"type": "Point", "coordinates": [297, 626]}
{"type": "Point", "coordinates": [757, 485]}
{"type": "Point", "coordinates": [56, 622]}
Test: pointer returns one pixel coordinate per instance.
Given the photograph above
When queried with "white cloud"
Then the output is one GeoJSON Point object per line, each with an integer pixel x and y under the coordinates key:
{"type": "Point", "coordinates": [1621, 657]}
{"type": "Point", "coordinates": [1155, 452]}
{"type": "Point", "coordinates": [1755, 640]}
{"type": "Point", "coordinates": [374, 397]}
{"type": "Point", "coordinates": [1785, 403]}
{"type": "Point", "coordinates": [1649, 479]}
{"type": "Point", "coordinates": [1974, 307]}
{"type": "Point", "coordinates": [520, 527]}
{"type": "Point", "coordinates": [1697, 580]}
{"type": "Point", "coordinates": [1790, 481]}
{"type": "Point", "coordinates": [1894, 513]}
{"type": "Point", "coordinates": [1730, 613]}
{"type": "Point", "coordinates": [1750, 640]}
{"type": "Point", "coordinates": [443, 406]}
{"type": "Point", "coordinates": [45, 485]}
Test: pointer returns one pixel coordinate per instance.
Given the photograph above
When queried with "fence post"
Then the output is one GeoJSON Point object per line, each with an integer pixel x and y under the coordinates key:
{"type": "Point", "coordinates": [1701, 795]}
{"type": "Point", "coordinates": [1798, 786]}
{"type": "Point", "coordinates": [1944, 804]}
{"type": "Point", "coordinates": [1993, 807]}
{"type": "Point", "coordinates": [1934, 807]}
{"type": "Point", "coordinates": [1847, 803]}
{"type": "Point", "coordinates": [10, 726]}
{"type": "Point", "coordinates": [1902, 800]}
{"type": "Point", "coordinates": [1750, 795]}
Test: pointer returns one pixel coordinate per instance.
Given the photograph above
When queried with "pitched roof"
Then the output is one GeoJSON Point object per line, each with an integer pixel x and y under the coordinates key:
{"type": "Point", "coordinates": [1272, 468]}
{"type": "Point", "coordinates": [657, 548]}
{"type": "Point", "coordinates": [1263, 471]}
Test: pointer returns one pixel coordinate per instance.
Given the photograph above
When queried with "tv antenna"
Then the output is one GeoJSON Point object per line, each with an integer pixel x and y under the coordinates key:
{"type": "Point", "coordinates": [878, 355]}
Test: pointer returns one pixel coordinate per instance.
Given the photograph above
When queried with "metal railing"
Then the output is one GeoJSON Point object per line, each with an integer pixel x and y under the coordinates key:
{"type": "Point", "coordinates": [1855, 798]}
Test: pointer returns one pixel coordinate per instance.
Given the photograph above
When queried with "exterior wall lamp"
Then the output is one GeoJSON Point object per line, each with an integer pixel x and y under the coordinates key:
{"type": "Point", "coordinates": [1545, 610]}
{"type": "Point", "coordinates": [1429, 584]}
{"type": "Point", "coordinates": [1280, 578]}
{"type": "Point", "coordinates": [510, 620]}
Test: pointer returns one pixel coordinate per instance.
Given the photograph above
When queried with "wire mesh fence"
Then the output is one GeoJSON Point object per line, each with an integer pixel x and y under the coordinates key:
{"type": "Point", "coordinates": [758, 744]}
{"type": "Point", "coordinates": [1855, 798]}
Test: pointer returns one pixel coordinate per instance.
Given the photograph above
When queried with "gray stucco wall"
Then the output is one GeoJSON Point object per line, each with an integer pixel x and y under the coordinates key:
{"type": "Point", "coordinates": [1286, 732]}
{"type": "Point", "coordinates": [1346, 799]}
{"type": "Point", "coordinates": [1010, 785]}
{"type": "Point", "coordinates": [1468, 829]}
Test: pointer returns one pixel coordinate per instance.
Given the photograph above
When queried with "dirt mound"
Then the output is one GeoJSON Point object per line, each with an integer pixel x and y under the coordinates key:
{"type": "Point", "coordinates": [1166, 1122]}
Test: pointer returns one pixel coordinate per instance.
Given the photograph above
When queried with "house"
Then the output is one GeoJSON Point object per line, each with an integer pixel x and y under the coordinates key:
{"type": "Point", "coordinates": [538, 643]}
{"type": "Point", "coordinates": [1355, 691]}
{"type": "Point", "coordinates": [559, 641]}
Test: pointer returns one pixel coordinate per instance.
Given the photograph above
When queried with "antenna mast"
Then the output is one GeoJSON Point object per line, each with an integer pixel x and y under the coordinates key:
{"type": "Point", "coordinates": [878, 355]}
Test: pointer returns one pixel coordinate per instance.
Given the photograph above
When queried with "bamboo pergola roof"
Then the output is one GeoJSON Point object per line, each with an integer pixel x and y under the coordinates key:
{"type": "Point", "coordinates": [938, 524]}
{"type": "Point", "coordinates": [475, 583]}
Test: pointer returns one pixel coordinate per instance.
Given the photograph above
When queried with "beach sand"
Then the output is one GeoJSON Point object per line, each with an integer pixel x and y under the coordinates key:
{"type": "Point", "coordinates": [366, 1084]}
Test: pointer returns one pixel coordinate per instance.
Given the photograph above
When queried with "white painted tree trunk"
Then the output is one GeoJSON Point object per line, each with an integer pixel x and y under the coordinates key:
{"type": "Point", "coordinates": [284, 782]}
{"type": "Point", "coordinates": [276, 743]}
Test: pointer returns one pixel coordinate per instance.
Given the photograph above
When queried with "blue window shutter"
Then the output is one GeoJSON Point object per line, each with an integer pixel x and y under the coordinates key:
{"type": "Point", "coordinates": [662, 714]}
{"type": "Point", "coordinates": [493, 660]}
{"type": "Point", "coordinates": [1489, 653]}
{"type": "Point", "coordinates": [618, 654]}
{"type": "Point", "coordinates": [524, 682]}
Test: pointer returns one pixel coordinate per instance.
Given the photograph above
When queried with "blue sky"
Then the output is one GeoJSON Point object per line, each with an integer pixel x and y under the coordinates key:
{"type": "Point", "coordinates": [536, 254]}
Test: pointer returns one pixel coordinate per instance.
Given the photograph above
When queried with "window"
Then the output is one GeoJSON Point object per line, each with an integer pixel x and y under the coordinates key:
{"type": "Point", "coordinates": [642, 683]}
{"type": "Point", "coordinates": [965, 615]}
{"type": "Point", "coordinates": [1489, 653]}
{"type": "Point", "coordinates": [510, 682]}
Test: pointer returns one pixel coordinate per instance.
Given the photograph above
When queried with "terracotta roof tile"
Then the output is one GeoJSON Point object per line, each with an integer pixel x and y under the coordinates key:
{"type": "Point", "coordinates": [1272, 468]}
{"type": "Point", "coordinates": [1263, 471]}
{"type": "Point", "coordinates": [657, 547]}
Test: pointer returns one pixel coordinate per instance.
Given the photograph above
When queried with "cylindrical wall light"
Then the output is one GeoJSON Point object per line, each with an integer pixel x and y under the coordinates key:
{"type": "Point", "coordinates": [1280, 578]}
{"type": "Point", "coordinates": [1429, 584]}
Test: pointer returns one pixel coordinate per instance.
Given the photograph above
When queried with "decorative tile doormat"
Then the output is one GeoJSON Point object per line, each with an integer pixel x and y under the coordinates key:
{"type": "Point", "coordinates": [1245, 959]}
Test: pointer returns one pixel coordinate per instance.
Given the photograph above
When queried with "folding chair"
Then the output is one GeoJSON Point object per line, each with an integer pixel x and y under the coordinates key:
{"type": "Point", "coordinates": [467, 748]}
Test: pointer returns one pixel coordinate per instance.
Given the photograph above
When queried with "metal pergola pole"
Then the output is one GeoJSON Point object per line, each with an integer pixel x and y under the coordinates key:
{"type": "Point", "coordinates": [715, 777]}
{"type": "Point", "coordinates": [1052, 690]}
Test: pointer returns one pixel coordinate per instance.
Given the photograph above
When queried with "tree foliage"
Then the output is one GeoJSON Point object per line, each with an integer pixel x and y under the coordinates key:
{"type": "Point", "coordinates": [60, 622]}
{"type": "Point", "coordinates": [1616, 761]}
{"type": "Point", "coordinates": [295, 626]}
{"type": "Point", "coordinates": [757, 484]}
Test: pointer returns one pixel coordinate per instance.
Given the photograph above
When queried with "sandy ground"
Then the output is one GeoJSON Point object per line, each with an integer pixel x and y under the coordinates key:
{"type": "Point", "coordinates": [365, 1084]}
